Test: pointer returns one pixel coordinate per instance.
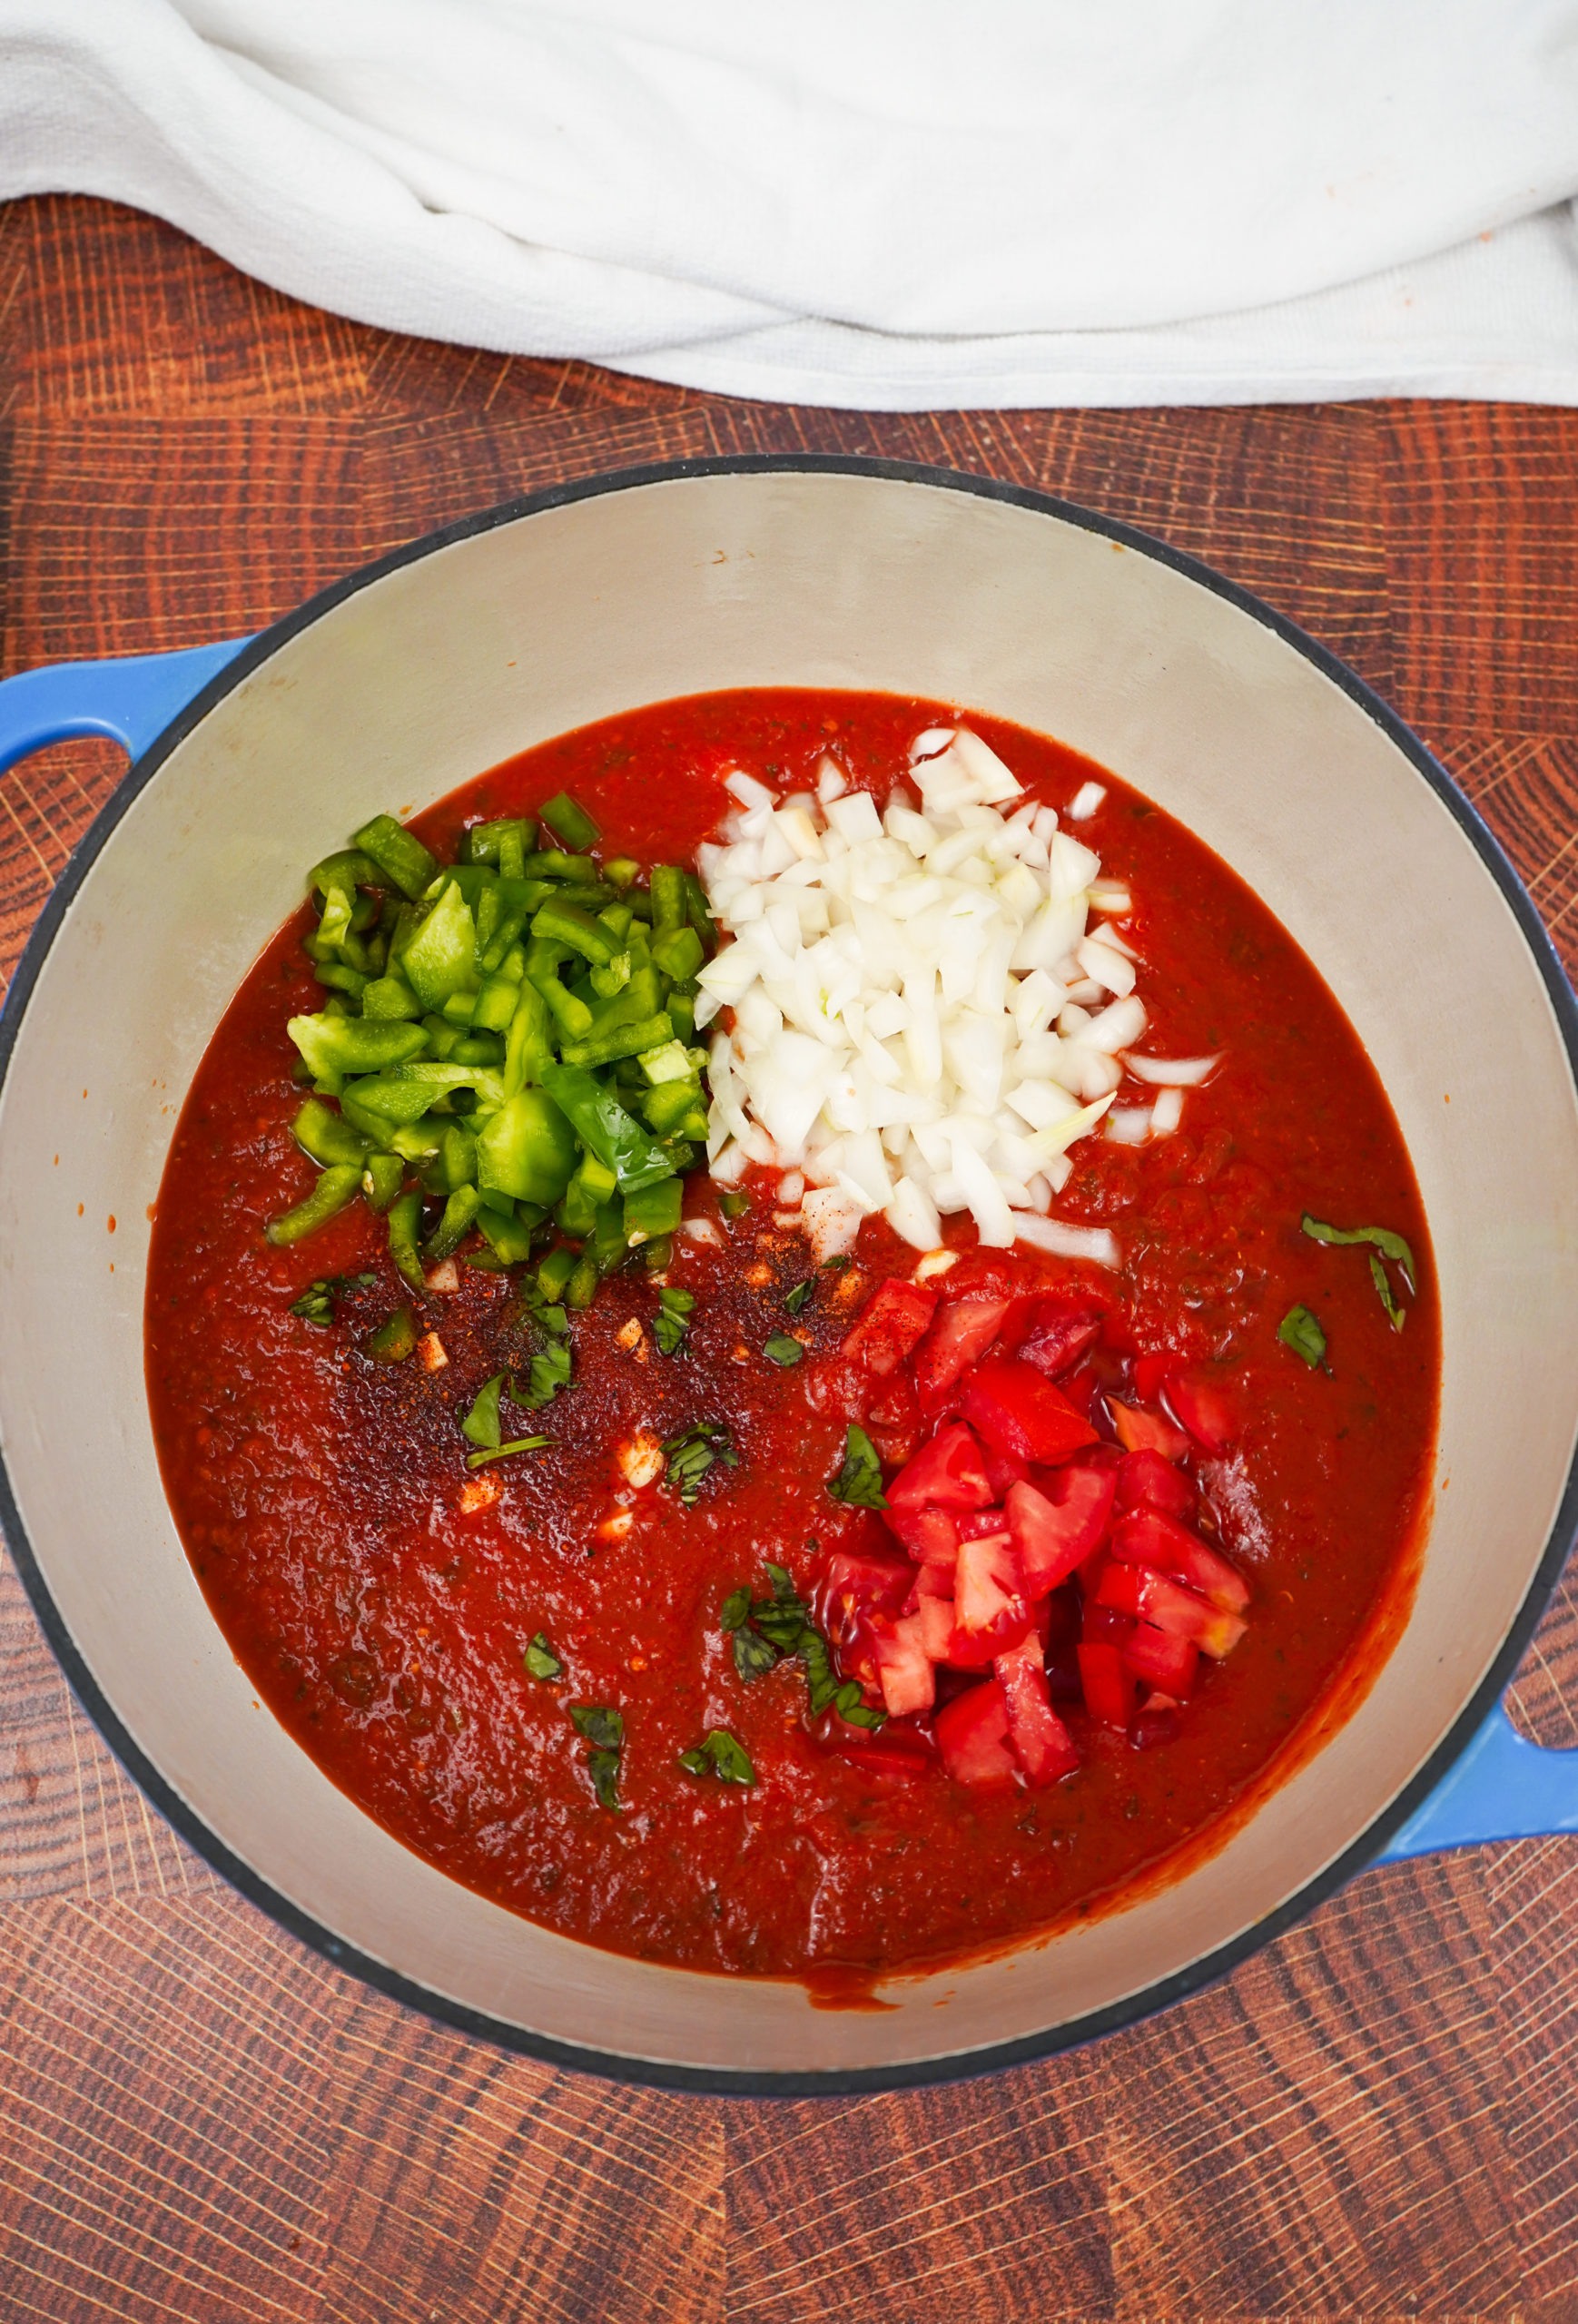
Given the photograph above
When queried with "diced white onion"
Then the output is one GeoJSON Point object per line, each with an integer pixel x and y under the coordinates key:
{"type": "Point", "coordinates": [1085, 802]}
{"type": "Point", "coordinates": [1172, 1072]}
{"type": "Point", "coordinates": [900, 1033]}
{"type": "Point", "coordinates": [1095, 1243]}
{"type": "Point", "coordinates": [1167, 1113]}
{"type": "Point", "coordinates": [1129, 1125]}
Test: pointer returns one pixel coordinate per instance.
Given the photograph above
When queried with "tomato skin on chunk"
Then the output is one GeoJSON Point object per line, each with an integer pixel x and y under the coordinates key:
{"type": "Point", "coordinates": [1164, 1661]}
{"type": "Point", "coordinates": [972, 1734]}
{"type": "Point", "coordinates": [1043, 1745]}
{"type": "Point", "coordinates": [1019, 1411]}
{"type": "Point", "coordinates": [1145, 1481]}
{"type": "Point", "coordinates": [1150, 1537]}
{"type": "Point", "coordinates": [855, 1588]}
{"type": "Point", "coordinates": [990, 1609]}
{"type": "Point", "coordinates": [1058, 1333]}
{"type": "Point", "coordinates": [949, 1473]}
{"type": "Point", "coordinates": [904, 1666]}
{"type": "Point", "coordinates": [1003, 1469]}
{"type": "Point", "coordinates": [1205, 1408]}
{"type": "Point", "coordinates": [1142, 1432]}
{"type": "Point", "coordinates": [1108, 1684]}
{"type": "Point", "coordinates": [960, 1332]}
{"type": "Point", "coordinates": [1056, 1531]}
{"type": "Point", "coordinates": [929, 1534]}
{"type": "Point", "coordinates": [889, 1326]}
{"type": "Point", "coordinates": [1155, 1598]}
{"type": "Point", "coordinates": [901, 1753]}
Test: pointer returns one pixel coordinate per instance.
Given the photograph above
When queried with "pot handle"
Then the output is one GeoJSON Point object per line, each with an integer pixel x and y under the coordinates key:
{"type": "Point", "coordinates": [132, 700]}
{"type": "Point", "coordinates": [1503, 1787]}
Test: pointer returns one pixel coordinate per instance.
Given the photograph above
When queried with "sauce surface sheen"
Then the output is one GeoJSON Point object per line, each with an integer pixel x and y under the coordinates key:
{"type": "Point", "coordinates": [319, 1495]}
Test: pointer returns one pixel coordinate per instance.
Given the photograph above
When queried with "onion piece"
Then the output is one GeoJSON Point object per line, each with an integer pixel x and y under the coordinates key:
{"type": "Point", "coordinates": [1172, 1072]}
{"type": "Point", "coordinates": [1097, 1243]}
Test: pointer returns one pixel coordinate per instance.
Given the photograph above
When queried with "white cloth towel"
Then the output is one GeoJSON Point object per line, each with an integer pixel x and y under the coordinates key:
{"type": "Point", "coordinates": [891, 203]}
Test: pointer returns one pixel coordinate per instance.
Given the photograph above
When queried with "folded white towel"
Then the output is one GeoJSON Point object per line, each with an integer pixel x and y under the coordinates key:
{"type": "Point", "coordinates": [888, 204]}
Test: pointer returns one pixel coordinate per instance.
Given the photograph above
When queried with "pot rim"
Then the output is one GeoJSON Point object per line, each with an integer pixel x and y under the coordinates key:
{"type": "Point", "coordinates": [959, 2065]}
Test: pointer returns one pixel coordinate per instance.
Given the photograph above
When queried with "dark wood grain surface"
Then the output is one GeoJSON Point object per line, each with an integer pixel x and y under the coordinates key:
{"type": "Point", "coordinates": [1373, 2119]}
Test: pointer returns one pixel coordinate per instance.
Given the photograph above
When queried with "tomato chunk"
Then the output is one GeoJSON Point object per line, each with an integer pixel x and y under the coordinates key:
{"type": "Point", "coordinates": [1019, 1410]}
{"type": "Point", "coordinates": [990, 1609]}
{"type": "Point", "coordinates": [1150, 1537]}
{"type": "Point", "coordinates": [890, 1323]}
{"type": "Point", "coordinates": [904, 1666]}
{"type": "Point", "coordinates": [960, 1332]}
{"type": "Point", "coordinates": [1108, 1684]}
{"type": "Point", "coordinates": [1164, 1661]}
{"type": "Point", "coordinates": [935, 1615]}
{"type": "Point", "coordinates": [1043, 1744]}
{"type": "Point", "coordinates": [1056, 1531]}
{"type": "Point", "coordinates": [1153, 1597]}
{"type": "Point", "coordinates": [901, 1753]}
{"type": "Point", "coordinates": [1058, 1333]}
{"type": "Point", "coordinates": [855, 1587]}
{"type": "Point", "coordinates": [949, 1473]}
{"type": "Point", "coordinates": [1143, 1431]}
{"type": "Point", "coordinates": [929, 1534]}
{"type": "Point", "coordinates": [1205, 1408]}
{"type": "Point", "coordinates": [972, 1734]}
{"type": "Point", "coordinates": [1003, 1469]}
{"type": "Point", "coordinates": [1145, 1481]}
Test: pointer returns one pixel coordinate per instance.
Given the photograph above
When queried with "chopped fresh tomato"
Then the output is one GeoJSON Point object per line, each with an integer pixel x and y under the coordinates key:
{"type": "Point", "coordinates": [1057, 1332]}
{"type": "Point", "coordinates": [935, 1615]}
{"type": "Point", "coordinates": [1153, 1597]}
{"type": "Point", "coordinates": [990, 1609]}
{"type": "Point", "coordinates": [1108, 1684]}
{"type": "Point", "coordinates": [1019, 1410]}
{"type": "Point", "coordinates": [1150, 1375]}
{"type": "Point", "coordinates": [960, 1333]}
{"type": "Point", "coordinates": [949, 1473]}
{"type": "Point", "coordinates": [1161, 1659]}
{"type": "Point", "coordinates": [901, 1753]}
{"type": "Point", "coordinates": [1003, 1469]}
{"type": "Point", "coordinates": [929, 1534]}
{"type": "Point", "coordinates": [1143, 1431]}
{"type": "Point", "coordinates": [1145, 1481]}
{"type": "Point", "coordinates": [1157, 1721]}
{"type": "Point", "coordinates": [1150, 1537]}
{"type": "Point", "coordinates": [1056, 1531]}
{"type": "Point", "coordinates": [854, 1587]}
{"type": "Point", "coordinates": [1083, 1390]}
{"type": "Point", "coordinates": [974, 1524]}
{"type": "Point", "coordinates": [890, 1323]}
{"type": "Point", "coordinates": [972, 1734]}
{"type": "Point", "coordinates": [904, 1666]}
{"type": "Point", "coordinates": [893, 1407]}
{"type": "Point", "coordinates": [1205, 1407]}
{"type": "Point", "coordinates": [1043, 1744]}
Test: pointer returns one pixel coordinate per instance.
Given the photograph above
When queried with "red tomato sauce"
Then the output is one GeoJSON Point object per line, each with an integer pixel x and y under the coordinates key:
{"type": "Point", "coordinates": [322, 1498]}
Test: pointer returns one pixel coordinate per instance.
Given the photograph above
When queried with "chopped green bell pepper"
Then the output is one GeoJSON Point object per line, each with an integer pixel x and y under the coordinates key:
{"type": "Point", "coordinates": [568, 821]}
{"type": "Point", "coordinates": [399, 856]}
{"type": "Point", "coordinates": [327, 1136]}
{"type": "Point", "coordinates": [390, 998]}
{"type": "Point", "coordinates": [605, 1128]}
{"type": "Point", "coordinates": [438, 957]}
{"type": "Point", "coordinates": [382, 1176]}
{"type": "Point", "coordinates": [332, 1044]}
{"type": "Point", "coordinates": [605, 1043]}
{"type": "Point", "coordinates": [405, 1219]}
{"type": "Point", "coordinates": [528, 1150]}
{"type": "Point", "coordinates": [459, 1216]}
{"type": "Point", "coordinates": [394, 1339]}
{"type": "Point", "coordinates": [653, 1210]}
{"type": "Point", "coordinates": [337, 1186]}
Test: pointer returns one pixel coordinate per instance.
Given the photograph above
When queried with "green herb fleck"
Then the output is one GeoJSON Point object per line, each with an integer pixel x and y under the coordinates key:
{"type": "Point", "coordinates": [836, 1264]}
{"type": "Point", "coordinates": [540, 1660]}
{"type": "Point", "coordinates": [1389, 1245]}
{"type": "Point", "coordinates": [859, 1483]}
{"type": "Point", "coordinates": [754, 1656]}
{"type": "Point", "coordinates": [1396, 1316]}
{"type": "Point", "coordinates": [671, 1325]}
{"type": "Point", "coordinates": [503, 1451]}
{"type": "Point", "coordinates": [1299, 1331]}
{"type": "Point", "coordinates": [782, 1350]}
{"type": "Point", "coordinates": [780, 1627]}
{"type": "Point", "coordinates": [604, 1730]}
{"type": "Point", "coordinates": [690, 1456]}
{"type": "Point", "coordinates": [550, 1371]}
{"type": "Point", "coordinates": [481, 1422]}
{"type": "Point", "coordinates": [317, 1302]}
{"type": "Point", "coordinates": [796, 1299]}
{"type": "Point", "coordinates": [719, 1755]}
{"type": "Point", "coordinates": [737, 1608]}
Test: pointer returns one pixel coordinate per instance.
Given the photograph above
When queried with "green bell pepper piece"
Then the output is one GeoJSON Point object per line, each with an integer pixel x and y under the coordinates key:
{"type": "Point", "coordinates": [457, 1157]}
{"type": "Point", "coordinates": [382, 1176]}
{"type": "Point", "coordinates": [605, 1128]}
{"type": "Point", "coordinates": [509, 1239]}
{"type": "Point", "coordinates": [459, 1218]}
{"type": "Point", "coordinates": [699, 913]}
{"type": "Point", "coordinates": [390, 998]}
{"type": "Point", "coordinates": [495, 1005]}
{"type": "Point", "coordinates": [441, 953]}
{"type": "Point", "coordinates": [528, 1149]}
{"type": "Point", "coordinates": [653, 1210]}
{"type": "Point", "coordinates": [568, 820]}
{"type": "Point", "coordinates": [556, 1272]}
{"type": "Point", "coordinates": [609, 1244]}
{"type": "Point", "coordinates": [675, 1109]}
{"type": "Point", "coordinates": [394, 1339]}
{"type": "Point", "coordinates": [552, 863]}
{"type": "Point", "coordinates": [621, 871]}
{"type": "Point", "coordinates": [572, 1018]}
{"type": "Point", "coordinates": [528, 1045]}
{"type": "Point", "coordinates": [327, 1136]}
{"type": "Point", "coordinates": [405, 1217]}
{"type": "Point", "coordinates": [582, 1287]}
{"type": "Point", "coordinates": [558, 922]}
{"type": "Point", "coordinates": [335, 978]}
{"type": "Point", "coordinates": [399, 856]}
{"type": "Point", "coordinates": [332, 1044]}
{"type": "Point", "coordinates": [604, 1044]}
{"type": "Point", "coordinates": [668, 898]}
{"type": "Point", "coordinates": [679, 953]}
{"type": "Point", "coordinates": [337, 1186]}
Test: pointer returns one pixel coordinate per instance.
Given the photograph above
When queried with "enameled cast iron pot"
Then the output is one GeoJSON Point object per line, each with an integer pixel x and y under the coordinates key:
{"type": "Point", "coordinates": [252, 758]}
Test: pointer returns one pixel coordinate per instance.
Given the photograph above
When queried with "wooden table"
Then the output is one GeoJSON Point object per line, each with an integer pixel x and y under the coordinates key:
{"type": "Point", "coordinates": [198, 2119]}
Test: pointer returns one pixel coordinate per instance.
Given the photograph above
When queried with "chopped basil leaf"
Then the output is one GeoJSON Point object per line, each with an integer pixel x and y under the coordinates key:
{"type": "Point", "coordinates": [859, 1483]}
{"type": "Point", "coordinates": [1299, 1331]}
{"type": "Point", "coordinates": [782, 1350]}
{"type": "Point", "coordinates": [503, 1451]}
{"type": "Point", "coordinates": [737, 1608]}
{"type": "Point", "coordinates": [836, 1265]}
{"type": "Point", "coordinates": [795, 1300]}
{"type": "Point", "coordinates": [820, 1674]}
{"type": "Point", "coordinates": [690, 1456]}
{"type": "Point", "coordinates": [481, 1422]}
{"type": "Point", "coordinates": [671, 1325]}
{"type": "Point", "coordinates": [549, 1372]}
{"type": "Point", "coordinates": [540, 1660]}
{"type": "Point", "coordinates": [783, 1589]}
{"type": "Point", "coordinates": [603, 1767]}
{"type": "Point", "coordinates": [317, 1302]}
{"type": "Point", "coordinates": [853, 1710]}
{"type": "Point", "coordinates": [754, 1656]}
{"type": "Point", "coordinates": [599, 1725]}
{"type": "Point", "coordinates": [719, 1755]}
{"type": "Point", "coordinates": [1392, 1246]}
{"type": "Point", "coordinates": [1395, 1316]}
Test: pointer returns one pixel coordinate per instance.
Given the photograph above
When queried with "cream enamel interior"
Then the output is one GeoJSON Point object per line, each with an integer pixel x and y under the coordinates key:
{"type": "Point", "coordinates": [451, 662]}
